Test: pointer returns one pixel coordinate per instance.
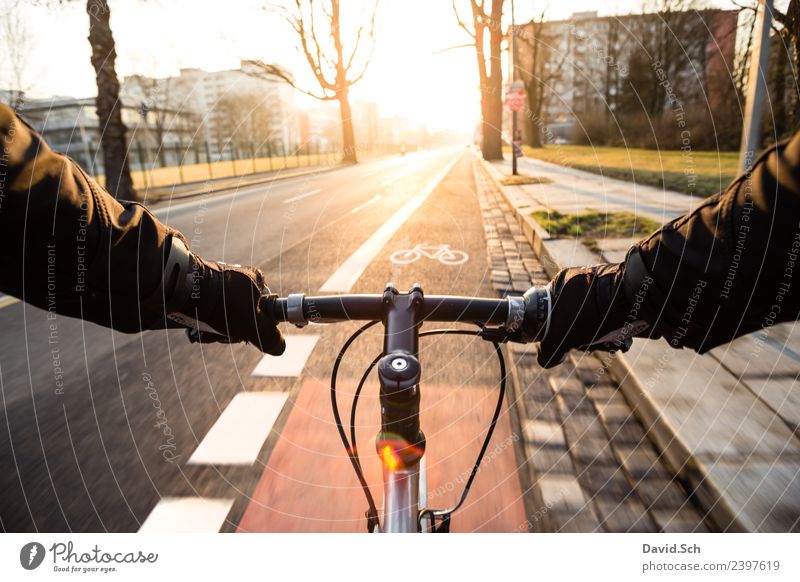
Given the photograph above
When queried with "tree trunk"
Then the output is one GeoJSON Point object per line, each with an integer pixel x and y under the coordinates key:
{"type": "Point", "coordinates": [533, 117]}
{"type": "Point", "coordinates": [349, 153]}
{"type": "Point", "coordinates": [493, 112]}
{"type": "Point", "coordinates": [492, 147]}
{"type": "Point", "coordinates": [342, 88]}
{"type": "Point", "coordinates": [794, 110]}
{"type": "Point", "coordinates": [112, 130]}
{"type": "Point", "coordinates": [778, 79]}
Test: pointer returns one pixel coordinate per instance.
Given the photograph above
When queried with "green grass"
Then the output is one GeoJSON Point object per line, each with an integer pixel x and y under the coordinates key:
{"type": "Point", "coordinates": [590, 226]}
{"type": "Point", "coordinates": [522, 180]}
{"type": "Point", "coordinates": [694, 172]}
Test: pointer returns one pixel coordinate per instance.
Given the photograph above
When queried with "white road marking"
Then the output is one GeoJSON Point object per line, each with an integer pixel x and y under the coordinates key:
{"type": "Point", "coordinates": [442, 253]}
{"type": "Point", "coordinates": [293, 360]}
{"type": "Point", "coordinates": [349, 272]}
{"type": "Point", "coordinates": [407, 171]}
{"type": "Point", "coordinates": [239, 433]}
{"type": "Point", "coordinates": [6, 300]}
{"type": "Point", "coordinates": [212, 198]}
{"type": "Point", "coordinates": [372, 200]}
{"type": "Point", "coordinates": [187, 515]}
{"type": "Point", "coordinates": [301, 196]}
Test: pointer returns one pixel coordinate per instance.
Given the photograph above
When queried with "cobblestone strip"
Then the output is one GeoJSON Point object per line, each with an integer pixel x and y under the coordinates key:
{"type": "Point", "coordinates": [590, 464]}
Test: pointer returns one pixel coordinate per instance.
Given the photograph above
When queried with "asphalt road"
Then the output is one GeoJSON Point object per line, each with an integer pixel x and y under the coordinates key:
{"type": "Point", "coordinates": [99, 429]}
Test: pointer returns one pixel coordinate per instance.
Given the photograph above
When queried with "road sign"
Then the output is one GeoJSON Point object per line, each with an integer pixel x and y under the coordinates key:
{"type": "Point", "coordinates": [515, 100]}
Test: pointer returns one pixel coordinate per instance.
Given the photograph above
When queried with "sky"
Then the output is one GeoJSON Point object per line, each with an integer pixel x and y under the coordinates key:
{"type": "Point", "coordinates": [410, 73]}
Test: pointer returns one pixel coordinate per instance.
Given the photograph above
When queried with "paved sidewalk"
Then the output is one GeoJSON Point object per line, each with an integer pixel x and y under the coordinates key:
{"type": "Point", "coordinates": [729, 420]}
{"type": "Point", "coordinates": [589, 463]}
{"type": "Point", "coordinates": [571, 190]}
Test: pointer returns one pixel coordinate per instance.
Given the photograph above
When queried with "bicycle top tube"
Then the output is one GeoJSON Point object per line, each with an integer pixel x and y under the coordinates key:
{"type": "Point", "coordinates": [301, 310]}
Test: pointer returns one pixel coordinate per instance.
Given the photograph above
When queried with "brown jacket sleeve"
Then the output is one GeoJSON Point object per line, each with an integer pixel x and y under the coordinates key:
{"type": "Point", "coordinates": [68, 246]}
{"type": "Point", "coordinates": [730, 266]}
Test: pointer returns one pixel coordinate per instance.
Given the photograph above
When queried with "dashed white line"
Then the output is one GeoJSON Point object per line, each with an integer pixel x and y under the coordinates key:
{"type": "Point", "coordinates": [301, 196]}
{"type": "Point", "coordinates": [349, 272]}
{"type": "Point", "coordinates": [239, 433]}
{"type": "Point", "coordinates": [293, 360]}
{"type": "Point", "coordinates": [187, 515]}
{"type": "Point", "coordinates": [362, 206]}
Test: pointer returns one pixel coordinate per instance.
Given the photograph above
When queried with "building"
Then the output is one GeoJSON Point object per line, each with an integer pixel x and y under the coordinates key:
{"type": "Point", "coordinates": [321, 127]}
{"type": "Point", "coordinates": [71, 126]}
{"type": "Point", "coordinates": [586, 73]}
{"type": "Point", "coordinates": [238, 109]}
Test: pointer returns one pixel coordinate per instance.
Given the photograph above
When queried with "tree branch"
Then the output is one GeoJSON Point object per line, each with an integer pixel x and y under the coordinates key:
{"type": "Point", "coordinates": [268, 70]}
{"type": "Point", "coordinates": [371, 35]}
{"type": "Point", "coordinates": [452, 48]}
{"type": "Point", "coordinates": [358, 77]}
{"type": "Point", "coordinates": [461, 23]}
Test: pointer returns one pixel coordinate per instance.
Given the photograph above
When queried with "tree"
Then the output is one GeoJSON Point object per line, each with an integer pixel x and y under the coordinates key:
{"type": "Point", "coordinates": [113, 137]}
{"type": "Point", "coordinates": [250, 118]}
{"type": "Point", "coordinates": [156, 104]}
{"type": "Point", "coordinates": [16, 42]}
{"type": "Point", "coordinates": [318, 25]}
{"type": "Point", "coordinates": [490, 70]}
{"type": "Point", "coordinates": [784, 68]}
{"type": "Point", "coordinates": [537, 69]}
{"type": "Point", "coordinates": [789, 22]}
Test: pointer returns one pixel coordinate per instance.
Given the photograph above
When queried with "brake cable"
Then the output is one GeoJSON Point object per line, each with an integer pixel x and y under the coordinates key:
{"type": "Point", "coordinates": [351, 446]}
{"type": "Point", "coordinates": [372, 511]}
{"type": "Point", "coordinates": [445, 514]}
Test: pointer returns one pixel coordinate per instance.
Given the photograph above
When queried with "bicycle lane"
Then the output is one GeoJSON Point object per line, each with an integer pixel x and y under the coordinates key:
{"type": "Point", "coordinates": [234, 440]}
{"type": "Point", "coordinates": [308, 483]}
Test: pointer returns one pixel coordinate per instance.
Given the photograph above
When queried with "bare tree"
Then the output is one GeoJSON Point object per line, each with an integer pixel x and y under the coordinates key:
{"type": "Point", "coordinates": [538, 67]}
{"type": "Point", "coordinates": [674, 34]}
{"type": "Point", "coordinates": [112, 130]}
{"type": "Point", "coordinates": [318, 25]}
{"type": "Point", "coordinates": [156, 104]}
{"type": "Point", "coordinates": [250, 118]}
{"type": "Point", "coordinates": [785, 66]}
{"type": "Point", "coordinates": [16, 42]}
{"type": "Point", "coordinates": [783, 82]}
{"type": "Point", "coordinates": [790, 27]}
{"type": "Point", "coordinates": [488, 24]}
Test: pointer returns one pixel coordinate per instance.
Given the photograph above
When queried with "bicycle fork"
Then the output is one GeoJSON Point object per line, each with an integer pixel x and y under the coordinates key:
{"type": "Point", "coordinates": [401, 443]}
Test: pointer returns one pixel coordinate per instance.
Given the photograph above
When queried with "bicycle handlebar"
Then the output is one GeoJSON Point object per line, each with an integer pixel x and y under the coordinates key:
{"type": "Point", "coordinates": [300, 310]}
{"type": "Point", "coordinates": [514, 318]}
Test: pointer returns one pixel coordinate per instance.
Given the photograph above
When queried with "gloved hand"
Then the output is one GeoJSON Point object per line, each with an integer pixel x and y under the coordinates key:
{"type": "Point", "coordinates": [220, 302]}
{"type": "Point", "coordinates": [588, 310]}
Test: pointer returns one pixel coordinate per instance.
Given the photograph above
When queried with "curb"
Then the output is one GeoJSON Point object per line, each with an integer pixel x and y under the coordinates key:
{"type": "Point", "coordinates": [676, 454]}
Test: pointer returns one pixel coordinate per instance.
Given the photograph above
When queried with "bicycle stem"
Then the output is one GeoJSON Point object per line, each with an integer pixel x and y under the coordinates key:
{"type": "Point", "coordinates": [401, 443]}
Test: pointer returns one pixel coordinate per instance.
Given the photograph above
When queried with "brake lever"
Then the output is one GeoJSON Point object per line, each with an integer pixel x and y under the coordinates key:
{"type": "Point", "coordinates": [622, 345]}
{"type": "Point", "coordinates": [206, 337]}
{"type": "Point", "coordinates": [498, 335]}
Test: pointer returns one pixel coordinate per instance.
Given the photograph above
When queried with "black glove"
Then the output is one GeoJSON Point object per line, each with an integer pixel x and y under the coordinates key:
{"type": "Point", "coordinates": [581, 308]}
{"type": "Point", "coordinates": [220, 302]}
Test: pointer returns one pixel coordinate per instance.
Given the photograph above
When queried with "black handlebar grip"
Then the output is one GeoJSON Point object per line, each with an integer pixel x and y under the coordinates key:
{"type": "Point", "coordinates": [538, 305]}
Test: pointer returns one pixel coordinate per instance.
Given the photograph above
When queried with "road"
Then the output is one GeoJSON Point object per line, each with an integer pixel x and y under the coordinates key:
{"type": "Point", "coordinates": [104, 431]}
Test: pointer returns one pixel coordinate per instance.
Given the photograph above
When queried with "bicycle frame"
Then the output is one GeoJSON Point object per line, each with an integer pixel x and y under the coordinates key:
{"type": "Point", "coordinates": [401, 443]}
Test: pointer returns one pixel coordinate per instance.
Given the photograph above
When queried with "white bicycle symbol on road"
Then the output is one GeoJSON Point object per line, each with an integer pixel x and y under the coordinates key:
{"type": "Point", "coordinates": [442, 253]}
